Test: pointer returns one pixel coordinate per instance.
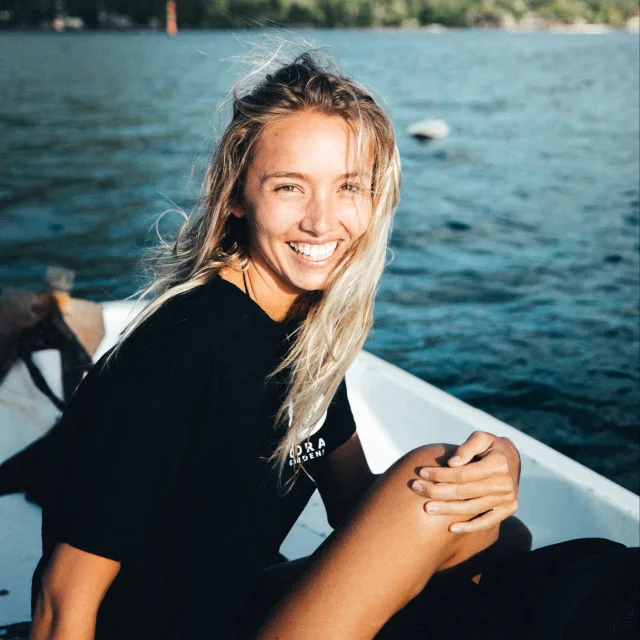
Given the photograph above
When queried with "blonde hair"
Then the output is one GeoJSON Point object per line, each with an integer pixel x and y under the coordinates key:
{"type": "Point", "coordinates": [335, 322]}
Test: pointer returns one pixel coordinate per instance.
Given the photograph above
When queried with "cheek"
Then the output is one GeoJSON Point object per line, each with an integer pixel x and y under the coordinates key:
{"type": "Point", "coordinates": [357, 219]}
{"type": "Point", "coordinates": [271, 224]}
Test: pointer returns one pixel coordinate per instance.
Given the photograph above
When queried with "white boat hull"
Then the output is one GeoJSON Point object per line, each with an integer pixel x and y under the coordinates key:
{"type": "Point", "coordinates": [395, 412]}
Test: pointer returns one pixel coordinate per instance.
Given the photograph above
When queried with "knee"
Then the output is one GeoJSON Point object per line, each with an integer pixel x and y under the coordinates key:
{"type": "Point", "coordinates": [394, 488]}
{"type": "Point", "coordinates": [428, 455]}
{"type": "Point", "coordinates": [455, 547]}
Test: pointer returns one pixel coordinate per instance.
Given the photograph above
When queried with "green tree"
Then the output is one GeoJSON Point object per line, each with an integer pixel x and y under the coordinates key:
{"type": "Point", "coordinates": [395, 13]}
{"type": "Point", "coordinates": [450, 13]}
{"type": "Point", "coordinates": [517, 8]}
{"type": "Point", "coordinates": [365, 16]}
{"type": "Point", "coordinates": [614, 12]}
{"type": "Point", "coordinates": [307, 14]}
{"type": "Point", "coordinates": [334, 12]}
{"type": "Point", "coordinates": [29, 12]}
{"type": "Point", "coordinates": [567, 11]}
{"type": "Point", "coordinates": [486, 14]}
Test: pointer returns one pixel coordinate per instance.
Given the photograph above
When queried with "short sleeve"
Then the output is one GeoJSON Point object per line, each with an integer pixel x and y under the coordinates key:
{"type": "Point", "coordinates": [339, 424]}
{"type": "Point", "coordinates": [130, 428]}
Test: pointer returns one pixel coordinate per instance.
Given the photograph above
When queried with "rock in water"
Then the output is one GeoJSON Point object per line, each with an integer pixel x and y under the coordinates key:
{"type": "Point", "coordinates": [429, 130]}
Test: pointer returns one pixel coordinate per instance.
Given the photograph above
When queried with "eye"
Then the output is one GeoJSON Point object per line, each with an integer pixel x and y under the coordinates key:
{"type": "Point", "coordinates": [354, 188]}
{"type": "Point", "coordinates": [288, 188]}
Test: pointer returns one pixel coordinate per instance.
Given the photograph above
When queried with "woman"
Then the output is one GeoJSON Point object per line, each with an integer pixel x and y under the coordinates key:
{"type": "Point", "coordinates": [193, 447]}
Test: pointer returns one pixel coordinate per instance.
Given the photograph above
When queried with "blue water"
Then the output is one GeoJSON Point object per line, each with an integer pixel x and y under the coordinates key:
{"type": "Point", "coordinates": [514, 282]}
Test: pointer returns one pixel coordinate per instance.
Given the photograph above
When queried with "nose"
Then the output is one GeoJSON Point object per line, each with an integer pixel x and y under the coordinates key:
{"type": "Point", "coordinates": [318, 218]}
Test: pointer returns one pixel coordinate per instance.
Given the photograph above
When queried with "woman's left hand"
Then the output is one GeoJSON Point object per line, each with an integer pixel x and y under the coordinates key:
{"type": "Point", "coordinates": [485, 489]}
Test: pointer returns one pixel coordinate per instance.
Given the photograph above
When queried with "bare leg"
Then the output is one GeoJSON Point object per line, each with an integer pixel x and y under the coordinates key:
{"type": "Point", "coordinates": [376, 562]}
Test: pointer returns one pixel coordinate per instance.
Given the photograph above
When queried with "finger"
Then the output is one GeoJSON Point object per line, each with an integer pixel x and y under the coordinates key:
{"type": "Point", "coordinates": [491, 519]}
{"type": "Point", "coordinates": [495, 463]}
{"type": "Point", "coordinates": [470, 508]}
{"type": "Point", "coordinates": [477, 443]}
{"type": "Point", "coordinates": [498, 485]}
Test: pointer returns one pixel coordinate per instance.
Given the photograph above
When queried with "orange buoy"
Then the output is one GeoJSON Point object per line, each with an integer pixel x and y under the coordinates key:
{"type": "Point", "coordinates": [172, 22]}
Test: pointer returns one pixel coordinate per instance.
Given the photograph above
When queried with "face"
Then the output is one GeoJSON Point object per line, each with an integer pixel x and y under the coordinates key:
{"type": "Point", "coordinates": [305, 205]}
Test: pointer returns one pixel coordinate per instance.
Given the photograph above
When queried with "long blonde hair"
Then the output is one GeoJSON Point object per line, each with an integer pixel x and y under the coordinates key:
{"type": "Point", "coordinates": [335, 322]}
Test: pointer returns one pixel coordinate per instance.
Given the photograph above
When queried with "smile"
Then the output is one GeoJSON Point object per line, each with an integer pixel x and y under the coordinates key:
{"type": "Point", "coordinates": [314, 252]}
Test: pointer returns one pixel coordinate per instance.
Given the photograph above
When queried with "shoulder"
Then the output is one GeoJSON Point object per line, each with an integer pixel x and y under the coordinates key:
{"type": "Point", "coordinates": [178, 334]}
{"type": "Point", "coordinates": [216, 304]}
{"type": "Point", "coordinates": [193, 310]}
{"type": "Point", "coordinates": [165, 365]}
{"type": "Point", "coordinates": [186, 319]}
{"type": "Point", "coordinates": [207, 326]}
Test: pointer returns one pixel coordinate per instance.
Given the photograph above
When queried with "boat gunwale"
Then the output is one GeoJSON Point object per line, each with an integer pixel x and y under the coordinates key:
{"type": "Point", "coordinates": [555, 462]}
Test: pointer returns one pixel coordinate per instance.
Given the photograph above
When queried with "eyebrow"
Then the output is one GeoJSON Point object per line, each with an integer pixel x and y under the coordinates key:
{"type": "Point", "coordinates": [304, 176]}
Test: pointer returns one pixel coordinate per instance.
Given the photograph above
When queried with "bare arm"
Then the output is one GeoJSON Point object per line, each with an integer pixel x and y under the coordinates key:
{"type": "Point", "coordinates": [344, 480]}
{"type": "Point", "coordinates": [73, 586]}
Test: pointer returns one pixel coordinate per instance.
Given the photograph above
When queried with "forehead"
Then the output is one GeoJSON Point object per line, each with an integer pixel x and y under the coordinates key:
{"type": "Point", "coordinates": [311, 143]}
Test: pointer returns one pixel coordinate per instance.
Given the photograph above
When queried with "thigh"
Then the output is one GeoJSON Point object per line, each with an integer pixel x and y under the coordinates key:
{"type": "Point", "coordinates": [448, 596]}
{"type": "Point", "coordinates": [272, 585]}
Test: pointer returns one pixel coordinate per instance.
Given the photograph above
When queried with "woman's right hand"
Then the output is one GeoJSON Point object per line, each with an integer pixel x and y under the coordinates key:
{"type": "Point", "coordinates": [73, 586]}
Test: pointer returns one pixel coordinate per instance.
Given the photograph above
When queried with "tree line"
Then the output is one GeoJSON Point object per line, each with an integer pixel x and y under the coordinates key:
{"type": "Point", "coordinates": [319, 13]}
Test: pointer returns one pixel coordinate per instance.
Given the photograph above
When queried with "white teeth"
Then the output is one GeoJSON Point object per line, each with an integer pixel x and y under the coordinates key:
{"type": "Point", "coordinates": [314, 252]}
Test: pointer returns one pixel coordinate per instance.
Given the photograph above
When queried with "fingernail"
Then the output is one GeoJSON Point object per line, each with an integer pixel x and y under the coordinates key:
{"type": "Point", "coordinates": [424, 473]}
{"type": "Point", "coordinates": [418, 486]}
{"type": "Point", "coordinates": [455, 529]}
{"type": "Point", "coordinates": [432, 508]}
{"type": "Point", "coordinates": [455, 459]}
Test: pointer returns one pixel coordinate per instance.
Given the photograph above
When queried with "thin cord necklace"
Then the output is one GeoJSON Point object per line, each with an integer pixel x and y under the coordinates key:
{"type": "Point", "coordinates": [246, 288]}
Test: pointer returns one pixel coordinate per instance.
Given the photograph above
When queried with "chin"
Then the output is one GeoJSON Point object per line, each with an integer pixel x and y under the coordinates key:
{"type": "Point", "coordinates": [303, 277]}
{"type": "Point", "coordinates": [304, 284]}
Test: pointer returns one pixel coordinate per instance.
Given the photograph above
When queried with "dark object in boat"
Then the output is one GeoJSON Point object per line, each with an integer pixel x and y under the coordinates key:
{"type": "Point", "coordinates": [28, 471]}
{"type": "Point", "coordinates": [35, 323]}
{"type": "Point", "coordinates": [19, 309]}
{"type": "Point", "coordinates": [28, 323]}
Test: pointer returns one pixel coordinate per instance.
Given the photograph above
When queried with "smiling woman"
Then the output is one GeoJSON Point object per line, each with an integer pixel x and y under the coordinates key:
{"type": "Point", "coordinates": [182, 449]}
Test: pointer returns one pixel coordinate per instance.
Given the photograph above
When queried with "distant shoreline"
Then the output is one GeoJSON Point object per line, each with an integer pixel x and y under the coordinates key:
{"type": "Point", "coordinates": [567, 16]}
{"type": "Point", "coordinates": [586, 28]}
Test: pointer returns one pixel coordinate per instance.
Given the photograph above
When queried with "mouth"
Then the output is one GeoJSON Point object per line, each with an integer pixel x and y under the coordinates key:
{"type": "Point", "coordinates": [314, 252]}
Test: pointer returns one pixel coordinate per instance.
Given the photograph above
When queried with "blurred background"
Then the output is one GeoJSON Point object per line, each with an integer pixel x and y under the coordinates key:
{"type": "Point", "coordinates": [515, 278]}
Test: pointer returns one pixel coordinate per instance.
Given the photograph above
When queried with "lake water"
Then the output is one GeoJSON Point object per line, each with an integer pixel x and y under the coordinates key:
{"type": "Point", "coordinates": [514, 283]}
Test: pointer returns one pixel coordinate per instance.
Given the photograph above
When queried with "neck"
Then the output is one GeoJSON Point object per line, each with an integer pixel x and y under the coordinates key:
{"type": "Point", "coordinates": [262, 288]}
{"type": "Point", "coordinates": [275, 301]}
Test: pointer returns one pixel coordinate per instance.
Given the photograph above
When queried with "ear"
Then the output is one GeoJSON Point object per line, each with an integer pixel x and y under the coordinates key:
{"type": "Point", "coordinates": [238, 210]}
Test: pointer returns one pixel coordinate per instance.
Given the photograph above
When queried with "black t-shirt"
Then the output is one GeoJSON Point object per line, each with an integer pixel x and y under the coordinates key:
{"type": "Point", "coordinates": [163, 467]}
